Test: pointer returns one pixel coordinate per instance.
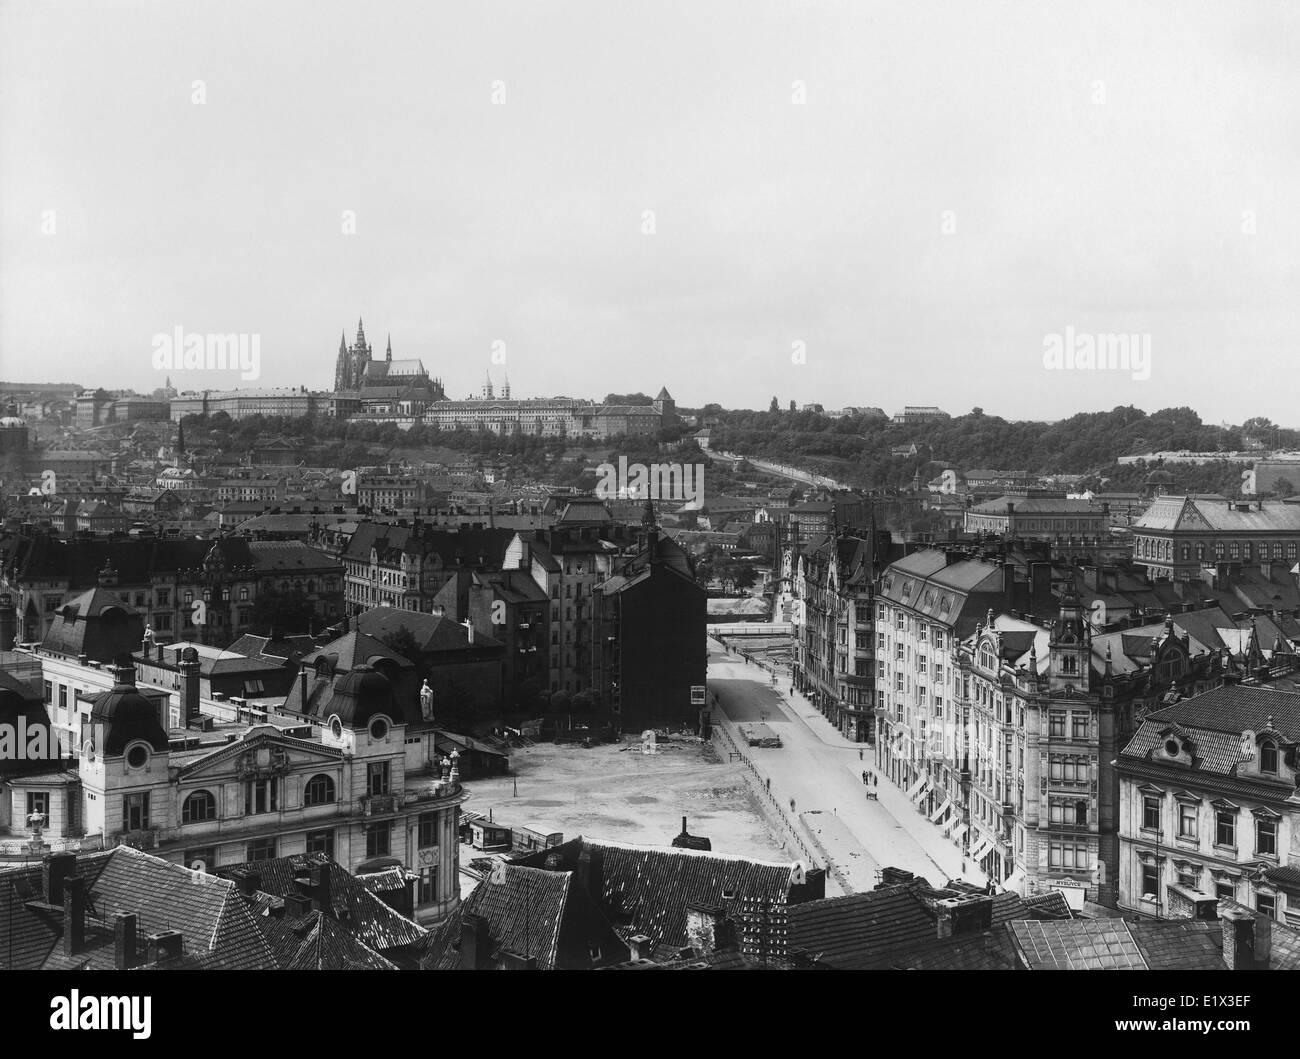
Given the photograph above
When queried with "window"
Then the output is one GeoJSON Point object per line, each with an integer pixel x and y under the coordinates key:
{"type": "Point", "coordinates": [1186, 821]}
{"type": "Point", "coordinates": [377, 844]}
{"type": "Point", "coordinates": [49, 693]}
{"type": "Point", "coordinates": [1188, 875]}
{"type": "Point", "coordinates": [261, 849]}
{"type": "Point", "coordinates": [198, 807]}
{"type": "Point", "coordinates": [321, 842]}
{"type": "Point", "coordinates": [1266, 904]}
{"type": "Point", "coordinates": [1056, 724]}
{"type": "Point", "coordinates": [428, 886]}
{"type": "Point", "coordinates": [377, 778]}
{"type": "Point", "coordinates": [135, 811]}
{"type": "Point", "coordinates": [1079, 725]}
{"type": "Point", "coordinates": [1268, 757]}
{"type": "Point", "coordinates": [1150, 882]}
{"type": "Point", "coordinates": [63, 696]}
{"type": "Point", "coordinates": [1067, 855]}
{"type": "Point", "coordinates": [428, 829]}
{"type": "Point", "coordinates": [1226, 891]}
{"type": "Point", "coordinates": [39, 802]}
{"type": "Point", "coordinates": [1150, 813]}
{"type": "Point", "coordinates": [319, 791]}
{"type": "Point", "coordinates": [1225, 829]}
{"type": "Point", "coordinates": [1266, 836]}
{"type": "Point", "coordinates": [261, 796]}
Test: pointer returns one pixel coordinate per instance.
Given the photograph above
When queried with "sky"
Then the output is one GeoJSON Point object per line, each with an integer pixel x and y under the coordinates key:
{"type": "Point", "coordinates": [855, 203]}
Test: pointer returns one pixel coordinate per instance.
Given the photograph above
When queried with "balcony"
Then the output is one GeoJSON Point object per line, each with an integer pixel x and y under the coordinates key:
{"type": "Point", "coordinates": [375, 804]}
{"type": "Point", "coordinates": [142, 839]}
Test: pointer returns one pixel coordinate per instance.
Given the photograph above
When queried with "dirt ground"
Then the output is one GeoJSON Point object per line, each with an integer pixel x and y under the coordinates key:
{"type": "Point", "coordinates": [606, 792]}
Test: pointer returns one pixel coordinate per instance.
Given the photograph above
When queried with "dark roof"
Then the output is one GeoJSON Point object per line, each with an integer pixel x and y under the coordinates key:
{"type": "Point", "coordinates": [646, 890]}
{"type": "Point", "coordinates": [861, 930]}
{"type": "Point", "coordinates": [213, 920]}
{"type": "Point", "coordinates": [544, 915]}
{"type": "Point", "coordinates": [369, 919]}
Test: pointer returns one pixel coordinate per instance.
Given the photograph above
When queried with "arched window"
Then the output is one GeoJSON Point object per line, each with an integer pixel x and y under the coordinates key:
{"type": "Point", "coordinates": [198, 807]}
{"type": "Point", "coordinates": [320, 791]}
{"type": "Point", "coordinates": [1268, 758]}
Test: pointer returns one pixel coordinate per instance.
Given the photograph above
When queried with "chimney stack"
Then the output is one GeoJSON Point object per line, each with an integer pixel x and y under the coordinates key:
{"type": "Point", "coordinates": [165, 945]}
{"type": "Point", "coordinates": [55, 869]}
{"type": "Point", "coordinates": [1244, 934]}
{"type": "Point", "coordinates": [189, 667]}
{"type": "Point", "coordinates": [74, 914]}
{"type": "Point", "coordinates": [640, 945]}
{"type": "Point", "coordinates": [475, 944]}
{"type": "Point", "coordinates": [125, 933]}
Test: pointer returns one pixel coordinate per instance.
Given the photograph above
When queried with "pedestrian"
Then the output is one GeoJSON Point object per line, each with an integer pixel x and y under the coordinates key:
{"type": "Point", "coordinates": [859, 755]}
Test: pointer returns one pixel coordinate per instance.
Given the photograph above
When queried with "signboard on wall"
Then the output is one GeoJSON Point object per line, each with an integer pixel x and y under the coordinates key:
{"type": "Point", "coordinates": [697, 694]}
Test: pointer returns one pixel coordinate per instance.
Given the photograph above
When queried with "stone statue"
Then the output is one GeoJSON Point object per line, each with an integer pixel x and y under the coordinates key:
{"type": "Point", "coordinates": [426, 701]}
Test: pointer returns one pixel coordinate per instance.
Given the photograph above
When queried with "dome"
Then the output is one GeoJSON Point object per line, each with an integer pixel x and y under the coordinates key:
{"type": "Point", "coordinates": [12, 423]}
{"type": "Point", "coordinates": [359, 696]}
{"type": "Point", "coordinates": [127, 716]}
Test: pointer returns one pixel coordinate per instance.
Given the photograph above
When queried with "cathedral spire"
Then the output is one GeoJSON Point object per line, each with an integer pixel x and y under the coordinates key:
{"type": "Point", "coordinates": [361, 334]}
{"type": "Point", "coordinates": [390, 347]}
{"type": "Point", "coordinates": [505, 385]}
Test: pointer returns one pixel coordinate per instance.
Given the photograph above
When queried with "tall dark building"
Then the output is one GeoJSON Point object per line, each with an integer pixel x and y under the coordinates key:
{"type": "Point", "coordinates": [651, 614]}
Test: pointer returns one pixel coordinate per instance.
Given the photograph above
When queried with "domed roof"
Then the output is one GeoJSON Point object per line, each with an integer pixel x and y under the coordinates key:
{"type": "Point", "coordinates": [126, 716]}
{"type": "Point", "coordinates": [12, 423]}
{"type": "Point", "coordinates": [359, 696]}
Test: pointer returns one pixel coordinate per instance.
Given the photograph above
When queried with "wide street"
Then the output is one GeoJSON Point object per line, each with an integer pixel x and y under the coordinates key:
{"type": "Point", "coordinates": [822, 772]}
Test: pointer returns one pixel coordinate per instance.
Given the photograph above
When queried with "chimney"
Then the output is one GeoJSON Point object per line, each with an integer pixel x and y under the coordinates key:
{"type": "Point", "coordinates": [969, 916]}
{"type": "Point", "coordinates": [189, 667]}
{"type": "Point", "coordinates": [247, 881]}
{"type": "Point", "coordinates": [319, 884]}
{"type": "Point", "coordinates": [297, 904]}
{"type": "Point", "coordinates": [165, 945]}
{"type": "Point", "coordinates": [1239, 938]}
{"type": "Point", "coordinates": [640, 945]}
{"type": "Point", "coordinates": [8, 622]}
{"type": "Point", "coordinates": [54, 870]}
{"type": "Point", "coordinates": [74, 914]}
{"type": "Point", "coordinates": [475, 944]}
{"type": "Point", "coordinates": [125, 932]}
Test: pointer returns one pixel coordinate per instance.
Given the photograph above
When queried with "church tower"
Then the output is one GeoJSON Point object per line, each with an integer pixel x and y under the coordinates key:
{"type": "Point", "coordinates": [487, 386]}
{"type": "Point", "coordinates": [505, 386]}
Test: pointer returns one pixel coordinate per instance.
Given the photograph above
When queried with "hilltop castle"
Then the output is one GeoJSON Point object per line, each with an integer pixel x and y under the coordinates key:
{"type": "Point", "coordinates": [355, 370]}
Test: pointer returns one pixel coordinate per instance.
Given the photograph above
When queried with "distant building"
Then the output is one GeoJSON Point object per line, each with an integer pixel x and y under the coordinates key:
{"type": "Point", "coordinates": [1038, 514]}
{"type": "Point", "coordinates": [920, 414]}
{"type": "Point", "coordinates": [1178, 535]}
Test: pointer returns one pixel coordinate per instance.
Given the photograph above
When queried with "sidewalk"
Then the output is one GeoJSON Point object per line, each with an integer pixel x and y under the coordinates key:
{"type": "Point", "coordinates": [942, 852]}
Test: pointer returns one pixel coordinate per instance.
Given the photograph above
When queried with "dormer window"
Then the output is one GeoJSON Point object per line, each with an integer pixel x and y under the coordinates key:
{"type": "Point", "coordinates": [1268, 757]}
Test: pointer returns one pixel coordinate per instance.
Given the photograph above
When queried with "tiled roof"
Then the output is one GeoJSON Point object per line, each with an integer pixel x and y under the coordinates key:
{"type": "Point", "coordinates": [368, 918]}
{"type": "Point", "coordinates": [862, 930]}
{"type": "Point", "coordinates": [1076, 945]}
{"type": "Point", "coordinates": [647, 889]}
{"type": "Point", "coordinates": [528, 913]}
{"type": "Point", "coordinates": [1180, 945]}
{"type": "Point", "coordinates": [990, 950]}
{"type": "Point", "coordinates": [214, 921]}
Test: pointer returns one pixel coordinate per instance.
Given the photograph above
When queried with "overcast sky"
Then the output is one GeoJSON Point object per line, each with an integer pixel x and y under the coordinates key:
{"type": "Point", "coordinates": [961, 181]}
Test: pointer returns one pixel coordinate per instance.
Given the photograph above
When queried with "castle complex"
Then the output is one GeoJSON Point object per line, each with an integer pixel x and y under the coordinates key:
{"type": "Point", "coordinates": [401, 392]}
